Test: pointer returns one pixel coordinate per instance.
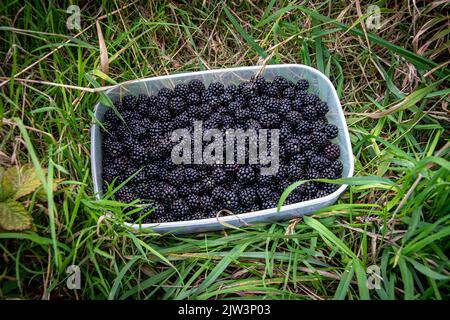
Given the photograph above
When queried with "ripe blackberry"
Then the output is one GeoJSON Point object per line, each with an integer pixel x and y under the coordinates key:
{"type": "Point", "coordinates": [207, 204]}
{"type": "Point", "coordinates": [332, 151]}
{"type": "Point", "coordinates": [196, 85]}
{"type": "Point", "coordinates": [280, 82]}
{"type": "Point", "coordinates": [289, 93]}
{"type": "Point", "coordinates": [312, 174]}
{"type": "Point", "coordinates": [299, 160]}
{"type": "Point", "coordinates": [322, 108]}
{"type": "Point", "coordinates": [257, 102]}
{"type": "Point", "coordinates": [242, 115]}
{"type": "Point", "coordinates": [284, 106]}
{"type": "Point", "coordinates": [176, 177]}
{"type": "Point", "coordinates": [265, 180]}
{"type": "Point", "coordinates": [260, 83]}
{"type": "Point", "coordinates": [331, 131]}
{"type": "Point", "coordinates": [303, 127]}
{"type": "Point", "coordinates": [292, 146]}
{"type": "Point", "coordinates": [309, 112]}
{"type": "Point", "coordinates": [286, 131]}
{"type": "Point", "coordinates": [164, 115]}
{"type": "Point", "coordinates": [179, 209]}
{"type": "Point", "coordinates": [264, 193]}
{"type": "Point", "coordinates": [137, 128]}
{"type": "Point", "coordinates": [129, 102]}
{"type": "Point", "coordinates": [295, 173]}
{"type": "Point", "coordinates": [328, 173]}
{"type": "Point", "coordinates": [191, 175]}
{"type": "Point", "coordinates": [329, 187]}
{"type": "Point", "coordinates": [181, 90]}
{"type": "Point", "coordinates": [168, 192]}
{"type": "Point", "coordinates": [297, 104]}
{"type": "Point", "coordinates": [177, 105]}
{"type": "Point", "coordinates": [112, 147]}
{"type": "Point", "coordinates": [230, 200]}
{"type": "Point", "coordinates": [252, 124]}
{"type": "Point", "coordinates": [126, 194]}
{"type": "Point", "coordinates": [337, 167]}
{"type": "Point", "coordinates": [247, 196]}
{"type": "Point", "coordinates": [319, 139]}
{"type": "Point", "coordinates": [232, 89]}
{"type": "Point", "coordinates": [208, 183]}
{"type": "Point", "coordinates": [247, 89]}
{"type": "Point", "coordinates": [269, 203]}
{"type": "Point", "coordinates": [228, 122]}
{"type": "Point", "coordinates": [226, 98]}
{"type": "Point", "coordinates": [308, 154]}
{"type": "Point", "coordinates": [321, 193]}
{"type": "Point", "coordinates": [302, 85]}
{"type": "Point", "coordinates": [269, 120]}
{"type": "Point", "coordinates": [110, 173]}
{"type": "Point", "coordinates": [165, 93]}
{"type": "Point", "coordinates": [184, 190]}
{"type": "Point", "coordinates": [216, 88]}
{"type": "Point", "coordinates": [308, 188]}
{"type": "Point", "coordinates": [219, 176]}
{"type": "Point", "coordinates": [293, 117]}
{"type": "Point", "coordinates": [193, 98]}
{"type": "Point", "coordinates": [272, 91]}
{"type": "Point", "coordinates": [245, 175]}
{"type": "Point", "coordinates": [319, 163]}
{"type": "Point", "coordinates": [311, 99]}
{"type": "Point", "coordinates": [182, 120]}
{"type": "Point", "coordinates": [192, 201]}
{"type": "Point", "coordinates": [318, 126]}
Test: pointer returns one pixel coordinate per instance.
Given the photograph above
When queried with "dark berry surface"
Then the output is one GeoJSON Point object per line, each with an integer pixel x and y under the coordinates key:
{"type": "Point", "coordinates": [137, 143]}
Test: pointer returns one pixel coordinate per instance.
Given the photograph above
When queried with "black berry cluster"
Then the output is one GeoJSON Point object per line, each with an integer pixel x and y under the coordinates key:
{"type": "Point", "coordinates": [137, 141]}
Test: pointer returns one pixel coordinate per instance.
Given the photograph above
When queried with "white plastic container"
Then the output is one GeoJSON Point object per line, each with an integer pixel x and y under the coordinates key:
{"type": "Point", "coordinates": [319, 84]}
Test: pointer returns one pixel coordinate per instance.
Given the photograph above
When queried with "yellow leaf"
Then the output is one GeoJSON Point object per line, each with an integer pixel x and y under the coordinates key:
{"type": "Point", "coordinates": [13, 216]}
{"type": "Point", "coordinates": [18, 182]}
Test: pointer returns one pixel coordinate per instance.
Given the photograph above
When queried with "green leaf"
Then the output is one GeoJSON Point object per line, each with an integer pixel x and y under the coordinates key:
{"type": "Point", "coordinates": [325, 233]}
{"type": "Point", "coordinates": [13, 216]}
{"type": "Point", "coordinates": [18, 182]}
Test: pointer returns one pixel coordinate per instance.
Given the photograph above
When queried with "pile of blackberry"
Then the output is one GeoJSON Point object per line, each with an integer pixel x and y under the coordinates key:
{"type": "Point", "coordinates": [137, 139]}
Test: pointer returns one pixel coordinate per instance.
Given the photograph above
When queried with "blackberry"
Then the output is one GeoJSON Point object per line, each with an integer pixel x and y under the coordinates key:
{"type": "Point", "coordinates": [319, 163]}
{"type": "Point", "coordinates": [302, 85]}
{"type": "Point", "coordinates": [193, 98]}
{"type": "Point", "coordinates": [226, 98]}
{"type": "Point", "coordinates": [322, 108]}
{"type": "Point", "coordinates": [252, 124]}
{"type": "Point", "coordinates": [207, 204]}
{"type": "Point", "coordinates": [337, 167]}
{"type": "Point", "coordinates": [331, 131]}
{"type": "Point", "coordinates": [110, 173]}
{"type": "Point", "coordinates": [293, 117]}
{"type": "Point", "coordinates": [329, 187]}
{"type": "Point", "coordinates": [265, 180]}
{"type": "Point", "coordinates": [321, 193]}
{"type": "Point", "coordinates": [308, 154]}
{"type": "Point", "coordinates": [232, 89]}
{"type": "Point", "coordinates": [219, 176]}
{"type": "Point", "coordinates": [309, 112]}
{"type": "Point", "coordinates": [303, 127]}
{"type": "Point", "coordinates": [242, 115]}
{"type": "Point", "coordinates": [177, 105]}
{"type": "Point", "coordinates": [129, 102]}
{"type": "Point", "coordinates": [179, 209]}
{"type": "Point", "coordinates": [312, 174]}
{"type": "Point", "coordinates": [299, 160]}
{"type": "Point", "coordinates": [308, 188]}
{"type": "Point", "coordinates": [184, 190]}
{"type": "Point", "coordinates": [228, 122]}
{"type": "Point", "coordinates": [232, 107]}
{"type": "Point", "coordinates": [257, 102]}
{"type": "Point", "coordinates": [168, 192]}
{"type": "Point", "coordinates": [112, 147]}
{"type": "Point", "coordinates": [196, 85]}
{"type": "Point", "coordinates": [297, 104]}
{"type": "Point", "coordinates": [126, 194]}
{"type": "Point", "coordinates": [191, 175]}
{"type": "Point", "coordinates": [247, 196]}
{"type": "Point", "coordinates": [292, 146]}
{"type": "Point", "coordinates": [216, 88]}
{"type": "Point", "coordinates": [286, 131]}
{"type": "Point", "coordinates": [128, 116]}
{"type": "Point", "coordinates": [259, 83]}
{"type": "Point", "coordinates": [165, 93]}
{"type": "Point", "coordinates": [332, 151]}
{"type": "Point", "coordinates": [137, 128]}
{"type": "Point", "coordinates": [269, 120]}
{"type": "Point", "coordinates": [328, 173]}
{"type": "Point", "coordinates": [269, 203]}
{"type": "Point", "coordinates": [181, 90]}
{"type": "Point", "coordinates": [247, 89]}
{"type": "Point", "coordinates": [245, 175]}
{"type": "Point", "coordinates": [311, 98]}
{"type": "Point", "coordinates": [230, 200]}
{"type": "Point", "coordinates": [264, 193]}
{"type": "Point", "coordinates": [295, 173]}
{"type": "Point", "coordinates": [217, 194]}
{"type": "Point", "coordinates": [208, 183]}
{"type": "Point", "coordinates": [319, 139]}
{"type": "Point", "coordinates": [164, 115]}
{"type": "Point", "coordinates": [272, 91]}
{"type": "Point", "coordinates": [176, 177]}
{"type": "Point", "coordinates": [271, 104]}
{"type": "Point", "coordinates": [197, 215]}
{"type": "Point", "coordinates": [318, 126]}
{"type": "Point", "coordinates": [289, 93]}
{"type": "Point", "coordinates": [284, 106]}
{"type": "Point", "coordinates": [280, 82]}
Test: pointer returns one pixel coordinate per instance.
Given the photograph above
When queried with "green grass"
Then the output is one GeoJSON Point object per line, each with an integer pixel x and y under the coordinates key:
{"type": "Point", "coordinates": [393, 84]}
